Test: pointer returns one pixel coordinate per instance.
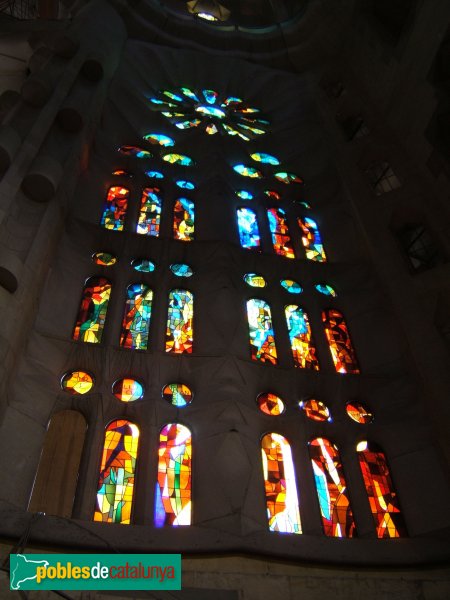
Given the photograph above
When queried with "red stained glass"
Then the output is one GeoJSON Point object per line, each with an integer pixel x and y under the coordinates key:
{"type": "Point", "coordinates": [92, 313]}
{"type": "Point", "coordinates": [315, 410]}
{"type": "Point", "coordinates": [270, 404]}
{"type": "Point", "coordinates": [115, 208]}
{"type": "Point", "coordinates": [280, 233]}
{"type": "Point", "coordinates": [339, 342]}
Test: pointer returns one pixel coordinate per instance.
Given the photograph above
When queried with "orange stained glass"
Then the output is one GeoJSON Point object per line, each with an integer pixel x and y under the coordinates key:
{"type": "Point", "coordinates": [270, 404]}
{"type": "Point", "coordinates": [281, 240]}
{"type": "Point", "coordinates": [337, 516]}
{"type": "Point", "coordinates": [358, 413]}
{"type": "Point", "coordinates": [180, 329]}
{"type": "Point", "coordinates": [183, 220]}
{"type": "Point", "coordinates": [77, 382]}
{"type": "Point", "coordinates": [173, 504]}
{"type": "Point", "coordinates": [283, 512]}
{"type": "Point", "coordinates": [115, 208]}
{"type": "Point", "coordinates": [150, 212]}
{"type": "Point", "coordinates": [303, 349]}
{"type": "Point", "coordinates": [117, 473]}
{"type": "Point", "coordinates": [339, 342]}
{"type": "Point", "coordinates": [383, 499]}
{"type": "Point", "coordinates": [262, 339]}
{"type": "Point", "coordinates": [312, 240]}
{"type": "Point", "coordinates": [92, 312]}
{"type": "Point", "coordinates": [315, 410]}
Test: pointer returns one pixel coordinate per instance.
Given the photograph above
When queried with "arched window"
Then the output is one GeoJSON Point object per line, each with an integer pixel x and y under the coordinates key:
{"type": "Point", "coordinates": [92, 313]}
{"type": "Point", "coordinates": [180, 332]}
{"type": "Point", "coordinates": [150, 212]}
{"type": "Point", "coordinates": [337, 517]}
{"type": "Point", "coordinates": [248, 228]}
{"type": "Point", "coordinates": [183, 220]}
{"type": "Point", "coordinates": [117, 473]}
{"type": "Point", "coordinates": [280, 233]}
{"type": "Point", "coordinates": [56, 478]}
{"type": "Point", "coordinates": [115, 208]}
{"type": "Point", "coordinates": [380, 490]}
{"type": "Point", "coordinates": [341, 348]}
{"type": "Point", "coordinates": [262, 339]}
{"type": "Point", "coordinates": [281, 490]}
{"type": "Point", "coordinates": [312, 240]}
{"type": "Point", "coordinates": [173, 489]}
{"type": "Point", "coordinates": [136, 320]}
{"type": "Point", "coordinates": [303, 350]}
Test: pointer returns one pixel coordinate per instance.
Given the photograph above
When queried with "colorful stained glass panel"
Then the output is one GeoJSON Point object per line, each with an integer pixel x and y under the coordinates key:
{"type": "Point", "coordinates": [291, 286]}
{"type": "Point", "coordinates": [315, 410]}
{"type": "Point", "coordinates": [339, 342]}
{"type": "Point", "coordinates": [247, 171]}
{"type": "Point", "coordinates": [183, 220]}
{"type": "Point", "coordinates": [280, 233]}
{"type": "Point", "coordinates": [77, 382]}
{"type": "Point", "coordinates": [115, 208]}
{"type": "Point", "coordinates": [143, 265]}
{"type": "Point", "coordinates": [178, 159]}
{"type": "Point", "coordinates": [150, 212]}
{"type": "Point", "coordinates": [312, 240]}
{"type": "Point", "coordinates": [288, 177]}
{"type": "Point", "coordinates": [262, 339]}
{"type": "Point", "coordinates": [180, 332]}
{"type": "Point", "coordinates": [325, 289]}
{"type": "Point", "coordinates": [104, 259]}
{"type": "Point", "coordinates": [92, 312]}
{"type": "Point", "coordinates": [270, 404]}
{"type": "Point", "coordinates": [248, 228]}
{"type": "Point", "coordinates": [181, 270]}
{"type": "Point", "coordinates": [358, 413]}
{"type": "Point", "coordinates": [303, 349]}
{"type": "Point", "coordinates": [255, 280]}
{"type": "Point", "coordinates": [264, 158]}
{"type": "Point", "coordinates": [136, 320]}
{"type": "Point", "coordinates": [177, 394]}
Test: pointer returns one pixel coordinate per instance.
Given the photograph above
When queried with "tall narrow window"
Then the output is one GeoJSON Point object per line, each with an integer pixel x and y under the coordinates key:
{"type": "Point", "coordinates": [248, 228]}
{"type": "Point", "coordinates": [117, 473]}
{"type": "Point", "coordinates": [150, 212]}
{"type": "Point", "coordinates": [262, 339]}
{"type": "Point", "coordinates": [136, 320]}
{"type": "Point", "coordinates": [115, 208]}
{"type": "Point", "coordinates": [339, 341]}
{"type": "Point", "coordinates": [283, 512]}
{"type": "Point", "coordinates": [180, 333]}
{"type": "Point", "coordinates": [183, 220]}
{"type": "Point", "coordinates": [173, 488]}
{"type": "Point", "coordinates": [337, 517]}
{"type": "Point", "coordinates": [280, 233]}
{"type": "Point", "coordinates": [312, 240]}
{"type": "Point", "coordinates": [56, 478]}
{"type": "Point", "coordinates": [303, 350]}
{"type": "Point", "coordinates": [92, 313]}
{"type": "Point", "coordinates": [382, 496]}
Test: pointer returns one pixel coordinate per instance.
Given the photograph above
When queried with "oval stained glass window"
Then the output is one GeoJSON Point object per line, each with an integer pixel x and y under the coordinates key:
{"type": "Point", "coordinates": [178, 159]}
{"type": "Point", "coordinates": [270, 404]}
{"type": "Point", "coordinates": [255, 280]}
{"type": "Point", "coordinates": [104, 259]}
{"type": "Point", "coordinates": [177, 394]}
{"type": "Point", "coordinates": [325, 289]}
{"type": "Point", "coordinates": [359, 413]}
{"type": "Point", "coordinates": [77, 382]}
{"type": "Point", "coordinates": [247, 171]}
{"type": "Point", "coordinates": [315, 410]}
{"type": "Point", "coordinates": [185, 185]}
{"type": "Point", "coordinates": [127, 390]}
{"type": "Point", "coordinates": [159, 139]}
{"type": "Point", "coordinates": [143, 265]}
{"type": "Point", "coordinates": [288, 177]}
{"type": "Point", "coordinates": [264, 158]}
{"type": "Point", "coordinates": [122, 173]}
{"type": "Point", "coordinates": [244, 195]}
{"type": "Point", "coordinates": [135, 151]}
{"type": "Point", "coordinates": [291, 286]}
{"type": "Point", "coordinates": [273, 195]}
{"type": "Point", "coordinates": [154, 174]}
{"type": "Point", "coordinates": [181, 270]}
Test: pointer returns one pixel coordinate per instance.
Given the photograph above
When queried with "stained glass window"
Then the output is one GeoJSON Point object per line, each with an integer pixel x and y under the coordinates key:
{"type": "Point", "coordinates": [183, 220]}
{"type": "Point", "coordinates": [173, 504]}
{"type": "Point", "coordinates": [159, 139]}
{"type": "Point", "coordinates": [359, 413]}
{"type": "Point", "coordinates": [339, 341]}
{"type": "Point", "coordinates": [380, 490]}
{"type": "Point", "coordinates": [177, 394]}
{"type": "Point", "coordinates": [311, 240]}
{"type": "Point", "coordinates": [264, 158]}
{"type": "Point", "coordinates": [122, 173]}
{"type": "Point", "coordinates": [77, 382]}
{"type": "Point", "coordinates": [337, 517]}
{"type": "Point", "coordinates": [244, 195]}
{"type": "Point", "coordinates": [262, 339]}
{"type": "Point", "coordinates": [150, 212]}
{"type": "Point", "coordinates": [315, 410]}
{"type": "Point", "coordinates": [178, 159]}
{"type": "Point", "coordinates": [248, 171]}
{"type": "Point", "coordinates": [115, 208]}
{"type": "Point", "coordinates": [302, 347]}
{"type": "Point", "coordinates": [283, 512]}
{"type": "Point", "coordinates": [135, 151]}
{"type": "Point", "coordinates": [248, 228]}
{"type": "Point", "coordinates": [272, 194]}
{"type": "Point", "coordinates": [181, 270]}
{"type": "Point", "coordinates": [92, 313]}
{"type": "Point", "coordinates": [288, 177]}
{"type": "Point", "coordinates": [180, 333]}
{"type": "Point", "coordinates": [136, 320]}
{"type": "Point", "coordinates": [255, 280]}
{"type": "Point", "coordinates": [128, 390]}
{"type": "Point", "coordinates": [325, 289]}
{"type": "Point", "coordinates": [154, 174]}
{"type": "Point", "coordinates": [185, 185]}
{"type": "Point", "coordinates": [280, 233]}
{"type": "Point", "coordinates": [291, 286]}
{"type": "Point", "coordinates": [104, 259]}
{"type": "Point", "coordinates": [116, 481]}
{"type": "Point", "coordinates": [143, 265]}
{"type": "Point", "coordinates": [270, 404]}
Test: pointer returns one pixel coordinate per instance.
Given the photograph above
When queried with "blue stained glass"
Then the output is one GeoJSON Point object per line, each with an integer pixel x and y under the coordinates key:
{"type": "Point", "coordinates": [173, 96]}
{"type": "Point", "coordinates": [150, 212]}
{"type": "Point", "coordinates": [325, 289]}
{"type": "Point", "coordinates": [178, 159]}
{"type": "Point", "coordinates": [154, 174]}
{"type": "Point", "coordinates": [211, 111]}
{"type": "Point", "coordinates": [158, 138]}
{"type": "Point", "coordinates": [210, 96]}
{"type": "Point", "coordinates": [181, 270]}
{"type": "Point", "coordinates": [291, 286]}
{"type": "Point", "coordinates": [183, 184]}
{"type": "Point", "coordinates": [248, 228]}
{"type": "Point", "coordinates": [143, 265]}
{"type": "Point", "coordinates": [265, 158]}
{"type": "Point", "coordinates": [244, 195]}
{"type": "Point", "coordinates": [189, 94]}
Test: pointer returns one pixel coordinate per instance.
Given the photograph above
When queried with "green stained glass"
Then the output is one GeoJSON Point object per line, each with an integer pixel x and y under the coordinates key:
{"type": "Point", "coordinates": [265, 158]}
{"type": "Point", "coordinates": [247, 171]}
{"type": "Point", "coordinates": [190, 94]}
{"type": "Point", "coordinates": [255, 280]}
{"type": "Point", "coordinates": [178, 159]}
{"type": "Point", "coordinates": [291, 286]}
{"type": "Point", "coordinates": [143, 265]}
{"type": "Point", "coordinates": [325, 289]}
{"type": "Point", "coordinates": [172, 96]}
{"type": "Point", "coordinates": [104, 259]}
{"type": "Point", "coordinates": [159, 139]}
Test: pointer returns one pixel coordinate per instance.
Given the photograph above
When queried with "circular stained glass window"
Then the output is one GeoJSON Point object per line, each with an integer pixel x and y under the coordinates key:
{"type": "Point", "coordinates": [359, 413]}
{"type": "Point", "coordinates": [270, 404]}
{"type": "Point", "coordinates": [181, 270]}
{"type": "Point", "coordinates": [143, 265]}
{"type": "Point", "coordinates": [127, 390]}
{"type": "Point", "coordinates": [104, 259]}
{"type": "Point", "coordinates": [255, 280]}
{"type": "Point", "coordinates": [291, 286]}
{"type": "Point", "coordinates": [177, 394]}
{"type": "Point", "coordinates": [77, 382]}
{"type": "Point", "coordinates": [315, 410]}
